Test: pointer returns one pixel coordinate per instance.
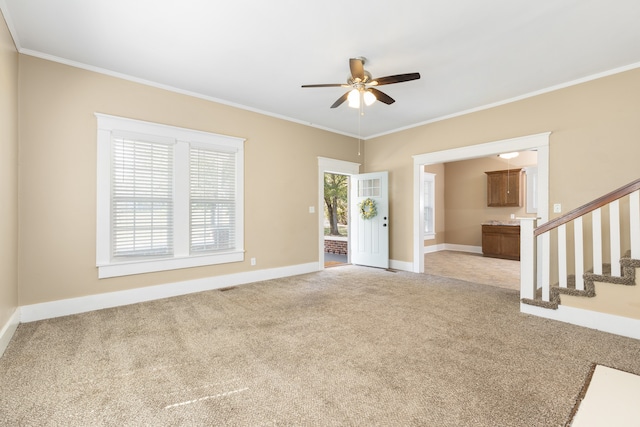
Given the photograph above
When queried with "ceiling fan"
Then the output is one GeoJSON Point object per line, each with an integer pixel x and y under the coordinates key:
{"type": "Point", "coordinates": [364, 86]}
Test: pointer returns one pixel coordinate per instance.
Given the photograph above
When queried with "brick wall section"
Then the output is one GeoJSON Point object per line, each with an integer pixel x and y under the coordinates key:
{"type": "Point", "coordinates": [336, 246]}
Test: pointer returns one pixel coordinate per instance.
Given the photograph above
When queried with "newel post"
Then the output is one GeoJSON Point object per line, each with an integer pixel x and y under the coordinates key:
{"type": "Point", "coordinates": [527, 258]}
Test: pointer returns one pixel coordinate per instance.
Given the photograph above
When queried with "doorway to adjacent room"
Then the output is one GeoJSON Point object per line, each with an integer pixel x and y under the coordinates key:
{"type": "Point", "coordinates": [336, 219]}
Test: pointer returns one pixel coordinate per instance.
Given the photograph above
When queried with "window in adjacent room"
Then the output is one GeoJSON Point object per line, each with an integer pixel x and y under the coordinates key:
{"type": "Point", "coordinates": [168, 197]}
{"type": "Point", "coordinates": [429, 206]}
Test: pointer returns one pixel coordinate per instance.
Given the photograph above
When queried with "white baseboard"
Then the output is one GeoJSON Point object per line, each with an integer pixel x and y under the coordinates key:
{"type": "Point", "coordinates": [401, 265]}
{"type": "Point", "coordinates": [463, 248]}
{"type": "Point", "coordinates": [452, 247]}
{"type": "Point", "coordinates": [48, 310]}
{"type": "Point", "coordinates": [624, 326]}
{"type": "Point", "coordinates": [435, 248]}
{"type": "Point", "coordinates": [7, 331]}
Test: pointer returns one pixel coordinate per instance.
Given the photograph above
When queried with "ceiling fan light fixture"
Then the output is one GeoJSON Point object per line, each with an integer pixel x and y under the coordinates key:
{"type": "Point", "coordinates": [369, 98]}
{"type": "Point", "coordinates": [354, 98]}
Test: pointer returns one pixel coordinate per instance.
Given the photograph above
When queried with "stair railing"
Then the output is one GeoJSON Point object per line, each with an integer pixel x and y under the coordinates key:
{"type": "Point", "coordinates": [535, 242]}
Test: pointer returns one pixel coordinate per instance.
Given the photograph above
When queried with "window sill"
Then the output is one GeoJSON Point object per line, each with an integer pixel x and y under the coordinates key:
{"type": "Point", "coordinates": [128, 268]}
{"type": "Point", "coordinates": [429, 236]}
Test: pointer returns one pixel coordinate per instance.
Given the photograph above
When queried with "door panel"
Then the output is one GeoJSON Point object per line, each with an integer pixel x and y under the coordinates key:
{"type": "Point", "coordinates": [369, 236]}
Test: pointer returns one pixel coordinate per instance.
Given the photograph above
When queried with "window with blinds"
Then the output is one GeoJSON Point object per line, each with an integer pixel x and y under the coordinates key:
{"type": "Point", "coordinates": [142, 198]}
{"type": "Point", "coordinates": [212, 193]}
{"type": "Point", "coordinates": [167, 197]}
{"type": "Point", "coordinates": [429, 205]}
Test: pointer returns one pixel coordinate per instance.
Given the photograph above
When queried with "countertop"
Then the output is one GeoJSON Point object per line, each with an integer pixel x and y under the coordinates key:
{"type": "Point", "coordinates": [497, 222]}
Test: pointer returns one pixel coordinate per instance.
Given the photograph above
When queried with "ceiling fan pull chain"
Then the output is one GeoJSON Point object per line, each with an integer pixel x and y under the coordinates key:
{"type": "Point", "coordinates": [359, 138]}
{"type": "Point", "coordinates": [508, 166]}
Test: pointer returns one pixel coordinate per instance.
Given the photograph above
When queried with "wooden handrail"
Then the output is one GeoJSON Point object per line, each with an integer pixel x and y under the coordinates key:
{"type": "Point", "coordinates": [589, 207]}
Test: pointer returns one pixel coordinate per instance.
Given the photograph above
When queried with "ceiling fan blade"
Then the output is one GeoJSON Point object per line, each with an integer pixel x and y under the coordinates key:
{"type": "Point", "coordinates": [381, 96]}
{"type": "Point", "coordinates": [340, 100]}
{"type": "Point", "coordinates": [398, 78]}
{"type": "Point", "coordinates": [357, 69]}
{"type": "Point", "coordinates": [326, 85]}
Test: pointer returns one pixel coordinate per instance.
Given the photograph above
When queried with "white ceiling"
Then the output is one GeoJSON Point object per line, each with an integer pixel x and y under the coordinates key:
{"type": "Point", "coordinates": [256, 53]}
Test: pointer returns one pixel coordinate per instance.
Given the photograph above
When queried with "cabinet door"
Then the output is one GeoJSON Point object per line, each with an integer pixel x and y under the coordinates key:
{"type": "Point", "coordinates": [510, 246]}
{"type": "Point", "coordinates": [501, 241]}
{"type": "Point", "coordinates": [495, 185]}
{"type": "Point", "coordinates": [491, 241]}
{"type": "Point", "coordinates": [511, 181]}
{"type": "Point", "coordinates": [503, 188]}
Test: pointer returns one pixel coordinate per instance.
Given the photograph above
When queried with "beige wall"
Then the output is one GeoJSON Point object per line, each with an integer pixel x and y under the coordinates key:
{"type": "Point", "coordinates": [594, 145]}
{"type": "Point", "coordinates": [58, 178]}
{"type": "Point", "coordinates": [8, 175]}
{"type": "Point", "coordinates": [466, 196]}
{"type": "Point", "coordinates": [594, 149]}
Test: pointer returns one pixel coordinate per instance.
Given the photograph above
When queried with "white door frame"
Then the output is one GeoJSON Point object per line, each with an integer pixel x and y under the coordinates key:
{"type": "Point", "coordinates": [327, 165]}
{"type": "Point", "coordinates": [539, 142]}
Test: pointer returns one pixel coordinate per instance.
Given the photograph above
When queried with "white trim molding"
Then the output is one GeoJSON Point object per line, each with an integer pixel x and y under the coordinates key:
{"type": "Point", "coordinates": [463, 248]}
{"type": "Point", "coordinates": [429, 249]}
{"type": "Point", "coordinates": [48, 310]}
{"type": "Point", "coordinates": [7, 331]}
{"type": "Point", "coordinates": [624, 326]}
{"type": "Point", "coordinates": [400, 265]}
{"type": "Point", "coordinates": [539, 142]}
{"type": "Point", "coordinates": [452, 247]}
{"type": "Point", "coordinates": [181, 140]}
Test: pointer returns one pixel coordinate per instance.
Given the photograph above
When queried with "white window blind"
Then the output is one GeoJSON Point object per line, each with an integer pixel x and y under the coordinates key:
{"type": "Point", "coordinates": [212, 194]}
{"type": "Point", "coordinates": [142, 198]}
{"type": "Point", "coordinates": [429, 205]}
{"type": "Point", "coordinates": [167, 197]}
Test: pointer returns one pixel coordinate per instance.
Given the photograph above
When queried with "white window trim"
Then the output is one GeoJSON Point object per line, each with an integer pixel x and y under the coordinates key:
{"type": "Point", "coordinates": [182, 259]}
{"type": "Point", "coordinates": [431, 177]}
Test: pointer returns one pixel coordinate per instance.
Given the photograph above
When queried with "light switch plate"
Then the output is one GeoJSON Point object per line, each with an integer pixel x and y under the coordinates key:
{"type": "Point", "coordinates": [557, 208]}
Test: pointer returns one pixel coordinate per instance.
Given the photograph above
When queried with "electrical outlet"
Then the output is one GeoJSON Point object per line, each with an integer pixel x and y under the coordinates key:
{"type": "Point", "coordinates": [312, 209]}
{"type": "Point", "coordinates": [513, 216]}
{"type": "Point", "coordinates": [557, 208]}
{"type": "Point", "coordinates": [253, 261]}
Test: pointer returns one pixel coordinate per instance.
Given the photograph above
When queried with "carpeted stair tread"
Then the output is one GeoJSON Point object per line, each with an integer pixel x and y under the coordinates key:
{"type": "Point", "coordinates": [628, 278]}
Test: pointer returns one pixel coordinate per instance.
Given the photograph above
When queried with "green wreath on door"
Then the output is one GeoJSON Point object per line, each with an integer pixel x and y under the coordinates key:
{"type": "Point", "coordinates": [368, 208]}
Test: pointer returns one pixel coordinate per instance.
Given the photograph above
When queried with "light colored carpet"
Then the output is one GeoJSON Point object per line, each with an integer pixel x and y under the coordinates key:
{"type": "Point", "coordinates": [475, 268]}
{"type": "Point", "coordinates": [348, 346]}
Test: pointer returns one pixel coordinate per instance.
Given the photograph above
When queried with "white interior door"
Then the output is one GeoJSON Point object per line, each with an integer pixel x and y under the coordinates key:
{"type": "Point", "coordinates": [369, 237]}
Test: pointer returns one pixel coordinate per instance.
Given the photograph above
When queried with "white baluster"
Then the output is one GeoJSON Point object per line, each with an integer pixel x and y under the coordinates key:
{"type": "Point", "coordinates": [527, 258]}
{"type": "Point", "coordinates": [578, 247]}
{"type": "Point", "coordinates": [544, 243]}
{"type": "Point", "coordinates": [614, 233]}
{"type": "Point", "coordinates": [596, 227]}
{"type": "Point", "coordinates": [634, 217]}
{"type": "Point", "coordinates": [562, 256]}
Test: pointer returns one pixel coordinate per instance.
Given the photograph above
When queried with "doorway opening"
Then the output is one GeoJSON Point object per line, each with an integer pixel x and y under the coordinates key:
{"type": "Point", "coordinates": [538, 142]}
{"type": "Point", "coordinates": [334, 166]}
{"type": "Point", "coordinates": [336, 219]}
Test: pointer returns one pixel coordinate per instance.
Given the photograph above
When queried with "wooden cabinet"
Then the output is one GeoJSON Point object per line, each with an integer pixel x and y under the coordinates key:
{"type": "Point", "coordinates": [503, 188]}
{"type": "Point", "coordinates": [501, 241]}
